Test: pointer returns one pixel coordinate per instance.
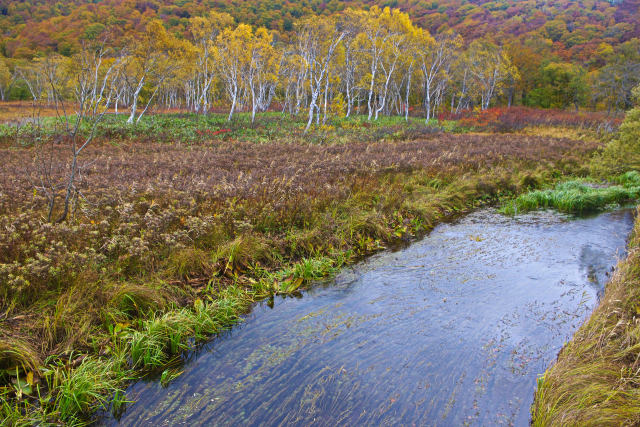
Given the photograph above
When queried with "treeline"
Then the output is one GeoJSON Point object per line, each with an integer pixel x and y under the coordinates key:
{"type": "Point", "coordinates": [371, 62]}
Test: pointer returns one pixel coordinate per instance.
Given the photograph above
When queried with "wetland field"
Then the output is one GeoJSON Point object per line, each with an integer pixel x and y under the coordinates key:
{"type": "Point", "coordinates": [183, 228]}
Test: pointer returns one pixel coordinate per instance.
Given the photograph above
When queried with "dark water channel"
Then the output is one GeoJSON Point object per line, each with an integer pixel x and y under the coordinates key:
{"type": "Point", "coordinates": [452, 330]}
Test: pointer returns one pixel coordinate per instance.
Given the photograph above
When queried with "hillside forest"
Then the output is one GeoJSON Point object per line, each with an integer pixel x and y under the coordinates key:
{"type": "Point", "coordinates": [324, 59]}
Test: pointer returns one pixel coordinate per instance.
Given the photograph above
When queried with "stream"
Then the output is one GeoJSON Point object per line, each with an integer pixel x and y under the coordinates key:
{"type": "Point", "coordinates": [451, 330]}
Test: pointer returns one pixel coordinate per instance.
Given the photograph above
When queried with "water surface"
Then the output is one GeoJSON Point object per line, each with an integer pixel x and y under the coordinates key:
{"type": "Point", "coordinates": [452, 330]}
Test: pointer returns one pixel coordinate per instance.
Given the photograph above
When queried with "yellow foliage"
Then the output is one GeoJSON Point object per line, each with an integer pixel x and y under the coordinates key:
{"type": "Point", "coordinates": [338, 106]}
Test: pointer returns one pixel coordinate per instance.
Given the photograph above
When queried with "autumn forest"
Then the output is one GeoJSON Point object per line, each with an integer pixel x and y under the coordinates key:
{"type": "Point", "coordinates": [435, 57]}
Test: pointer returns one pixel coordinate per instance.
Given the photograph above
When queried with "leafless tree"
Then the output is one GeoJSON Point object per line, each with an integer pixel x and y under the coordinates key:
{"type": "Point", "coordinates": [94, 87]}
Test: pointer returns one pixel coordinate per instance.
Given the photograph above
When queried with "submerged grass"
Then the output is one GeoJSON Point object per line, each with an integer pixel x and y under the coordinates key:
{"type": "Point", "coordinates": [578, 196]}
{"type": "Point", "coordinates": [596, 379]}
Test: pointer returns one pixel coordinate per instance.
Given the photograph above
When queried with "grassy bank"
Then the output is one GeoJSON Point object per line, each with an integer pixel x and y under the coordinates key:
{"type": "Point", "coordinates": [172, 242]}
{"type": "Point", "coordinates": [596, 379]}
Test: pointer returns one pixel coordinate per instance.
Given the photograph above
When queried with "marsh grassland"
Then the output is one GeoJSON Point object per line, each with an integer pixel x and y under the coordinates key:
{"type": "Point", "coordinates": [179, 227]}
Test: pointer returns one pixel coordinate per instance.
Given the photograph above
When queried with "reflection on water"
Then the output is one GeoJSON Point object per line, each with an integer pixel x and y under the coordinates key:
{"type": "Point", "coordinates": [452, 330]}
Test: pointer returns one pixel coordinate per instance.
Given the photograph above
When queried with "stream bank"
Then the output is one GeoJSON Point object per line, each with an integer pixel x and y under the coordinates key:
{"type": "Point", "coordinates": [596, 378]}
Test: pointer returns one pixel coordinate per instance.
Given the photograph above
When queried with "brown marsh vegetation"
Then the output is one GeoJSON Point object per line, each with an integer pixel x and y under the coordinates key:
{"type": "Point", "coordinates": [170, 242]}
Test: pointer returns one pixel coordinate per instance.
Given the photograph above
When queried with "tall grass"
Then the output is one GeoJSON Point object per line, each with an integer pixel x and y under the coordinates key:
{"type": "Point", "coordinates": [91, 385]}
{"type": "Point", "coordinates": [60, 392]}
{"type": "Point", "coordinates": [165, 336]}
{"type": "Point", "coordinates": [190, 128]}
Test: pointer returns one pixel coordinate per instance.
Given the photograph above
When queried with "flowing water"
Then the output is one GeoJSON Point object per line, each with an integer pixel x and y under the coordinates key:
{"type": "Point", "coordinates": [452, 330]}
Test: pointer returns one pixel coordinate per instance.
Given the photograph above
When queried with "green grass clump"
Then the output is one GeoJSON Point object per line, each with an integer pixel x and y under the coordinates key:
{"type": "Point", "coordinates": [628, 179]}
{"type": "Point", "coordinates": [596, 379]}
{"type": "Point", "coordinates": [306, 270]}
{"type": "Point", "coordinates": [89, 386]}
{"type": "Point", "coordinates": [61, 391]}
{"type": "Point", "coordinates": [577, 197]}
{"type": "Point", "coordinates": [165, 336]}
